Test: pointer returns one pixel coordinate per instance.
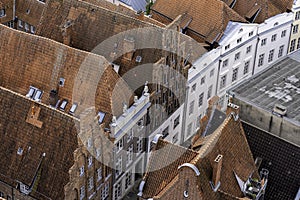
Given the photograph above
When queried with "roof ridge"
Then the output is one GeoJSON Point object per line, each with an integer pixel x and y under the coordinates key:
{"type": "Point", "coordinates": [212, 140]}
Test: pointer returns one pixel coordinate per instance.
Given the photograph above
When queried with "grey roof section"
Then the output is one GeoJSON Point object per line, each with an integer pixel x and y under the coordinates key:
{"type": "Point", "coordinates": [279, 84]}
{"type": "Point", "coordinates": [216, 119]}
{"type": "Point", "coordinates": [137, 5]}
{"type": "Point", "coordinates": [280, 157]}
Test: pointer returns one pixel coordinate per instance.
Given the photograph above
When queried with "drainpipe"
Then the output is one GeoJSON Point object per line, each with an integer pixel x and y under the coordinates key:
{"type": "Point", "coordinates": [184, 114]}
{"type": "Point", "coordinates": [255, 55]}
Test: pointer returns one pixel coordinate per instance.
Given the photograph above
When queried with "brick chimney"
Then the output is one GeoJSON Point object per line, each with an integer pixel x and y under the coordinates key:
{"type": "Point", "coordinates": [217, 167]}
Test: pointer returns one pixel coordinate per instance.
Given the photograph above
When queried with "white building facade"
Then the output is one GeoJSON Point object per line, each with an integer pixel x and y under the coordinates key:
{"type": "Point", "coordinates": [294, 43]}
{"type": "Point", "coordinates": [245, 50]}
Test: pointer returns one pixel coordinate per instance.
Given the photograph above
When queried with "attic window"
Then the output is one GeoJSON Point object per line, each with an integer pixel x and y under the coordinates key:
{"type": "Point", "coordinates": [227, 47]}
{"type": "Point", "coordinates": [2, 12]}
{"type": "Point", "coordinates": [20, 151]}
{"type": "Point", "coordinates": [241, 30]}
{"type": "Point", "coordinates": [38, 95]}
{"type": "Point", "coordinates": [32, 29]}
{"type": "Point", "coordinates": [27, 11]}
{"type": "Point", "coordinates": [61, 82]}
{"type": "Point", "coordinates": [276, 23]}
{"type": "Point", "coordinates": [101, 117]}
{"type": "Point", "coordinates": [138, 59]}
{"type": "Point", "coordinates": [63, 104]}
{"type": "Point", "coordinates": [73, 108]}
{"type": "Point", "coordinates": [43, 1]}
{"type": "Point", "coordinates": [30, 92]}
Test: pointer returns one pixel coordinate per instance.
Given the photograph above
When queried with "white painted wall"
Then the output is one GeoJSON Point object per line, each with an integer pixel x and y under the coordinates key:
{"type": "Point", "coordinates": [295, 35]}
{"type": "Point", "coordinates": [272, 26]}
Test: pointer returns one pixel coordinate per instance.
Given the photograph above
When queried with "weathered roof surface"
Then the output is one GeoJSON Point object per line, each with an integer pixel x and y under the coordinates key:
{"type": "Point", "coordinates": [163, 166]}
{"type": "Point", "coordinates": [209, 18]}
{"type": "Point", "coordinates": [28, 60]}
{"type": "Point", "coordinates": [280, 84]}
{"type": "Point", "coordinates": [280, 157]}
{"type": "Point", "coordinates": [57, 138]}
{"type": "Point", "coordinates": [267, 9]}
{"type": "Point", "coordinates": [228, 140]}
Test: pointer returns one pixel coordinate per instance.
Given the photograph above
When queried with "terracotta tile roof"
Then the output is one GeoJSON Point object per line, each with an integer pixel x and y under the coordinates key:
{"type": "Point", "coordinates": [280, 157]}
{"type": "Point", "coordinates": [162, 166]}
{"type": "Point", "coordinates": [57, 138]}
{"type": "Point", "coordinates": [228, 140]}
{"type": "Point", "coordinates": [209, 18]}
{"type": "Point", "coordinates": [247, 8]}
{"type": "Point", "coordinates": [40, 62]}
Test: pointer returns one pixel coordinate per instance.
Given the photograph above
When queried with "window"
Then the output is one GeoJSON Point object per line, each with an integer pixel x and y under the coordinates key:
{"type": "Point", "coordinates": [295, 29]}
{"type": "Point", "coordinates": [297, 15]}
{"type": "Point", "coordinates": [200, 101]}
{"type": "Point", "coordinates": [251, 33]}
{"type": "Point", "coordinates": [82, 192]}
{"type": "Point", "coordinates": [20, 151]}
{"type": "Point", "coordinates": [118, 191]}
{"type": "Point", "coordinates": [98, 152]}
{"type": "Point", "coordinates": [91, 183]}
{"type": "Point", "coordinates": [209, 92]}
{"type": "Point", "coordinates": [246, 67]}
{"type": "Point", "coordinates": [81, 170]}
{"type": "Point", "coordinates": [2, 12]}
{"type": "Point", "coordinates": [212, 72]}
{"type": "Point", "coordinates": [298, 44]}
{"type": "Point", "coordinates": [99, 174]}
{"type": "Point", "coordinates": [202, 80]}
{"type": "Point", "coordinates": [140, 123]}
{"type": "Point", "coordinates": [273, 38]}
{"type": "Point", "coordinates": [128, 180]}
{"type": "Point", "coordinates": [175, 138]}
{"type": "Point", "coordinates": [1, 194]}
{"type": "Point", "coordinates": [292, 47]}
{"type": "Point", "coordinates": [223, 81]}
{"type": "Point", "coordinates": [239, 40]}
{"type": "Point", "coordinates": [189, 130]}
{"type": "Point", "coordinates": [90, 161]}
{"type": "Point", "coordinates": [263, 41]}
{"type": "Point", "coordinates": [139, 144]}
{"type": "Point", "coordinates": [191, 109]}
{"type": "Point", "coordinates": [165, 132]}
{"type": "Point", "coordinates": [271, 55]}
{"type": "Point", "coordinates": [26, 27]}
{"type": "Point", "coordinates": [225, 63]}
{"type": "Point", "coordinates": [89, 143]}
{"type": "Point", "coordinates": [73, 108]}
{"type": "Point", "coordinates": [130, 135]}
{"type": "Point", "coordinates": [32, 29]}
{"type": "Point", "coordinates": [20, 23]}
{"type": "Point", "coordinates": [237, 56]}
{"type": "Point", "coordinates": [43, 1]}
{"type": "Point", "coordinates": [194, 88]}
{"type": "Point", "coordinates": [119, 145]}
{"type": "Point", "coordinates": [235, 74]}
{"type": "Point", "coordinates": [118, 166]}
{"type": "Point", "coordinates": [176, 122]}
{"type": "Point", "coordinates": [283, 33]}
{"type": "Point", "coordinates": [227, 47]}
{"type": "Point", "coordinates": [104, 192]}
{"type": "Point", "coordinates": [280, 52]}
{"type": "Point", "coordinates": [129, 154]}
{"type": "Point", "coordinates": [261, 59]}
{"type": "Point", "coordinates": [248, 49]}
{"type": "Point", "coordinates": [63, 105]}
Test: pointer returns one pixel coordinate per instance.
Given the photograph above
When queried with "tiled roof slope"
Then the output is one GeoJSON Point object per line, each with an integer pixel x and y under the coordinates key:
{"type": "Point", "coordinates": [28, 60]}
{"type": "Point", "coordinates": [209, 17]}
{"type": "Point", "coordinates": [124, 10]}
{"type": "Point", "coordinates": [228, 140]}
{"type": "Point", "coordinates": [160, 172]}
{"type": "Point", "coordinates": [280, 157]}
{"type": "Point", "coordinates": [57, 139]}
{"type": "Point", "coordinates": [90, 24]}
{"type": "Point", "coordinates": [268, 8]}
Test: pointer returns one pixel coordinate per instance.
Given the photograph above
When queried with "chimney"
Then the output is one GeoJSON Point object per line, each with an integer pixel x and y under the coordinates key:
{"type": "Point", "coordinates": [129, 48]}
{"type": "Point", "coordinates": [33, 115]}
{"type": "Point", "coordinates": [66, 32]}
{"type": "Point", "coordinates": [53, 98]}
{"type": "Point", "coordinates": [232, 108]}
{"type": "Point", "coordinates": [217, 166]}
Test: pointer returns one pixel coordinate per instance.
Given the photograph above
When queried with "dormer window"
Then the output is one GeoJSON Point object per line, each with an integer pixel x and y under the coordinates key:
{"type": "Point", "coordinates": [20, 151]}
{"type": "Point", "coordinates": [239, 40]}
{"type": "Point", "coordinates": [81, 171]}
{"type": "Point", "coordinates": [61, 82]}
{"type": "Point", "coordinates": [63, 105]}
{"type": "Point", "coordinates": [101, 117]}
{"type": "Point", "coordinates": [73, 108]}
{"type": "Point", "coordinates": [227, 47]}
{"type": "Point", "coordinates": [2, 12]}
